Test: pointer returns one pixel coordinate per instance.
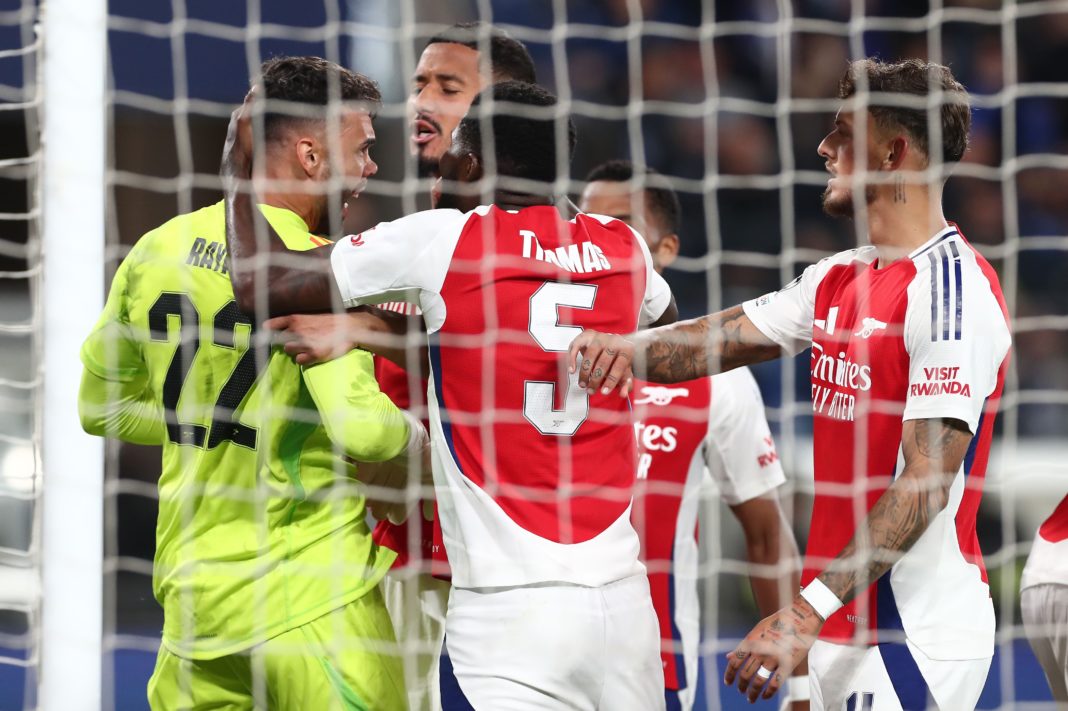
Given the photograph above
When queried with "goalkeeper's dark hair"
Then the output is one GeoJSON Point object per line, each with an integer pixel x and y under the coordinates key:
{"type": "Point", "coordinates": [524, 141]}
{"type": "Point", "coordinates": [310, 84]}
{"type": "Point", "coordinates": [509, 58]}
{"type": "Point", "coordinates": [659, 195]}
{"type": "Point", "coordinates": [920, 79]}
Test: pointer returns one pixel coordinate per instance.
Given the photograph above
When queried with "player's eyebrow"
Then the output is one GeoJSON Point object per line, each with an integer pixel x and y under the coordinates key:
{"type": "Point", "coordinates": [442, 77]}
{"type": "Point", "coordinates": [368, 143]}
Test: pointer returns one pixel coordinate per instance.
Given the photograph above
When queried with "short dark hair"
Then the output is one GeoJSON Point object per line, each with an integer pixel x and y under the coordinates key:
{"type": "Point", "coordinates": [918, 78]}
{"type": "Point", "coordinates": [524, 142]}
{"type": "Point", "coordinates": [312, 81]}
{"type": "Point", "coordinates": [509, 58]}
{"type": "Point", "coordinates": [661, 198]}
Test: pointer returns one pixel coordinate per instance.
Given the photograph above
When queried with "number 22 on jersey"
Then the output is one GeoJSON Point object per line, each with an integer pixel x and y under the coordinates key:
{"type": "Point", "coordinates": [177, 306]}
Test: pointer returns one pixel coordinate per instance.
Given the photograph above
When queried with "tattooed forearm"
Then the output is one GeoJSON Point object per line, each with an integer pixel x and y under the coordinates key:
{"type": "Point", "coordinates": [934, 450]}
{"type": "Point", "coordinates": [704, 346]}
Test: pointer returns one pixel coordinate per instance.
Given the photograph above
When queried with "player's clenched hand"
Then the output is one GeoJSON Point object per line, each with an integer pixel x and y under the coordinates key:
{"type": "Point", "coordinates": [386, 483]}
{"type": "Point", "coordinates": [764, 659]}
{"type": "Point", "coordinates": [603, 361]}
{"type": "Point", "coordinates": [316, 338]}
{"type": "Point", "coordinates": [386, 486]}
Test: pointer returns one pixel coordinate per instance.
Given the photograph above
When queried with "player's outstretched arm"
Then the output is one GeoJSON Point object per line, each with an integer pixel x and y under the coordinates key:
{"type": "Point", "coordinates": [291, 282]}
{"type": "Point", "coordinates": [934, 450]}
{"type": "Point", "coordinates": [316, 338]}
{"type": "Point", "coordinates": [670, 354]}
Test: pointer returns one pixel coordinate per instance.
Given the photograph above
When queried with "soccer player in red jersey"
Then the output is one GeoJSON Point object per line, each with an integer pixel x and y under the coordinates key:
{"type": "Point", "coordinates": [910, 341]}
{"type": "Point", "coordinates": [534, 476]}
{"type": "Point", "coordinates": [450, 73]}
{"type": "Point", "coordinates": [687, 432]}
{"type": "Point", "coordinates": [1044, 599]}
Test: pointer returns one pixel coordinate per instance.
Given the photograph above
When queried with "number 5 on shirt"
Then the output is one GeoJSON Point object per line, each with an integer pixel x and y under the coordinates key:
{"type": "Point", "coordinates": [539, 397]}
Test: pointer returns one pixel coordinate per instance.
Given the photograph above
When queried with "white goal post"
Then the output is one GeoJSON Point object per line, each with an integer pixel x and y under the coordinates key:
{"type": "Point", "coordinates": [73, 79]}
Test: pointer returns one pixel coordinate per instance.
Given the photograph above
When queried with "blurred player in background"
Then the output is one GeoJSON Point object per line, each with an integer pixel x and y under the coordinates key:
{"type": "Point", "coordinates": [1044, 599]}
{"type": "Point", "coordinates": [910, 342]}
{"type": "Point", "coordinates": [265, 566]}
{"type": "Point", "coordinates": [550, 606]}
{"type": "Point", "coordinates": [710, 426]}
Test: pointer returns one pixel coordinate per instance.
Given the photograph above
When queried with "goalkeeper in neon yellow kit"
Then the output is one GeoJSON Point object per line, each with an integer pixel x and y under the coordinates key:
{"type": "Point", "coordinates": [264, 565]}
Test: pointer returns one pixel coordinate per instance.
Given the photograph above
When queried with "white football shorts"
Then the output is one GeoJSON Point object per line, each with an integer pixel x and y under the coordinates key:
{"type": "Point", "coordinates": [557, 646]}
{"type": "Point", "coordinates": [891, 677]}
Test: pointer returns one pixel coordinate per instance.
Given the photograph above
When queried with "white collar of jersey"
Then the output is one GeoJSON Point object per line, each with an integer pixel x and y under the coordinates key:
{"type": "Point", "coordinates": [938, 237]}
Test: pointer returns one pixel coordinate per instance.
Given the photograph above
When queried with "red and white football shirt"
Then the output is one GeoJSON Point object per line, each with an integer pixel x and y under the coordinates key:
{"type": "Point", "coordinates": [711, 426]}
{"type": "Point", "coordinates": [926, 336]}
{"type": "Point", "coordinates": [534, 475]}
{"type": "Point", "coordinates": [1048, 561]}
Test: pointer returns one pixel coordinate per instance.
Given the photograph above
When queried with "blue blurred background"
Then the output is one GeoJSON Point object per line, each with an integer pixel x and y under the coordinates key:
{"type": "Point", "coordinates": [710, 102]}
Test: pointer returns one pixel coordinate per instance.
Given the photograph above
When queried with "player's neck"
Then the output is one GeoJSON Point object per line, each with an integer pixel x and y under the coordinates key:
{"type": "Point", "coordinates": [300, 204]}
{"type": "Point", "coordinates": [896, 228]}
{"type": "Point", "coordinates": [517, 201]}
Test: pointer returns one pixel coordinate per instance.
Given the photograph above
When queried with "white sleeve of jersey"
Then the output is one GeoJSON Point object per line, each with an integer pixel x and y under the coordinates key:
{"type": "Point", "coordinates": [785, 316]}
{"type": "Point", "coordinates": [956, 337]}
{"type": "Point", "coordinates": [404, 260]}
{"type": "Point", "coordinates": [739, 450]}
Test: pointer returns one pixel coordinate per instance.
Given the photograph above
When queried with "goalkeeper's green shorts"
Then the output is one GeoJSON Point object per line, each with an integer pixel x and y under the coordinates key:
{"type": "Point", "coordinates": [345, 660]}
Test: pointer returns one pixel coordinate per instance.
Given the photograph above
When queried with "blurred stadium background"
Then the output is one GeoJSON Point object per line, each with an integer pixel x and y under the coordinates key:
{"type": "Point", "coordinates": [728, 97]}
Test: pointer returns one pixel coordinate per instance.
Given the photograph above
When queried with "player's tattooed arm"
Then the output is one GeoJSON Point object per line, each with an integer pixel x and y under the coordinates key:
{"type": "Point", "coordinates": [671, 354]}
{"type": "Point", "coordinates": [934, 450]}
{"type": "Point", "coordinates": [267, 277]}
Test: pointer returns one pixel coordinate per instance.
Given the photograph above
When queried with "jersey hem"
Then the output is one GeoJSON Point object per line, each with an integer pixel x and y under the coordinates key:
{"type": "Point", "coordinates": [385, 558]}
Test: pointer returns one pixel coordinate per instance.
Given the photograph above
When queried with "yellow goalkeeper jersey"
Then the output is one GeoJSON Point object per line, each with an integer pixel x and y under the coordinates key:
{"type": "Point", "coordinates": [261, 525]}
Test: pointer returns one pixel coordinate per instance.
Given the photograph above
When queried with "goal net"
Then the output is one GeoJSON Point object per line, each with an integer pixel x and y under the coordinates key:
{"type": "Point", "coordinates": [727, 100]}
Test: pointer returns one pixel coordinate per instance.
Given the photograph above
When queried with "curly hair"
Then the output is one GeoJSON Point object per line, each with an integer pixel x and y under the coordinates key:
{"type": "Point", "coordinates": [524, 142]}
{"type": "Point", "coordinates": [313, 83]}
{"type": "Point", "coordinates": [509, 58]}
{"type": "Point", "coordinates": [916, 78]}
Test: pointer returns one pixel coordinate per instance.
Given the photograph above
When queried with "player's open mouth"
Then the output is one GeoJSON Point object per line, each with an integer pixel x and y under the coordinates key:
{"type": "Point", "coordinates": [424, 132]}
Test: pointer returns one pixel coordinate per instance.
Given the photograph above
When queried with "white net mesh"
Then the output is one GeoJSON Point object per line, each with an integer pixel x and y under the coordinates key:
{"type": "Point", "coordinates": [727, 99]}
{"type": "Point", "coordinates": [20, 381]}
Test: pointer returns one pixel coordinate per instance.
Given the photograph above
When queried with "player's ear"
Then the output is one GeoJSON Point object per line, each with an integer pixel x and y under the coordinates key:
{"type": "Point", "coordinates": [471, 168]}
{"type": "Point", "coordinates": [310, 155]}
{"type": "Point", "coordinates": [667, 249]}
{"type": "Point", "coordinates": [896, 151]}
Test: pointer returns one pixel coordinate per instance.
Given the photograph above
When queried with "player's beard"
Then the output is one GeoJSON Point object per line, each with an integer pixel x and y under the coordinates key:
{"type": "Point", "coordinates": [845, 207]}
{"type": "Point", "coordinates": [426, 166]}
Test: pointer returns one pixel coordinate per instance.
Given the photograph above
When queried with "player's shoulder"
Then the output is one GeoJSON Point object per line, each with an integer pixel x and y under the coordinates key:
{"type": "Point", "coordinates": [439, 218]}
{"type": "Point", "coordinates": [610, 224]}
{"type": "Point", "coordinates": [948, 264]}
{"type": "Point", "coordinates": [848, 262]}
{"type": "Point", "coordinates": [858, 256]}
{"type": "Point", "coordinates": [170, 241]}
